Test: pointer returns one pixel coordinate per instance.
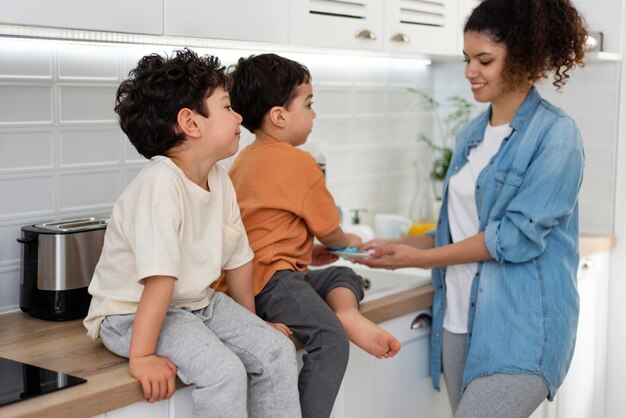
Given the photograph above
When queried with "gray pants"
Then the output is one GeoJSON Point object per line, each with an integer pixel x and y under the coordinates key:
{"type": "Point", "coordinates": [297, 300]}
{"type": "Point", "coordinates": [217, 349]}
{"type": "Point", "coordinates": [495, 396]}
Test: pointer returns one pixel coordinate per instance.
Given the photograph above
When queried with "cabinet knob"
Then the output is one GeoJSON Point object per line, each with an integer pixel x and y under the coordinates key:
{"type": "Point", "coordinates": [587, 264]}
{"type": "Point", "coordinates": [400, 37]}
{"type": "Point", "coordinates": [366, 34]}
{"type": "Point", "coordinates": [421, 321]}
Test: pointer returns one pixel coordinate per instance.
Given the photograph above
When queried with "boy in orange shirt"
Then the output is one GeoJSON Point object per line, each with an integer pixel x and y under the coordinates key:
{"type": "Point", "coordinates": [284, 204]}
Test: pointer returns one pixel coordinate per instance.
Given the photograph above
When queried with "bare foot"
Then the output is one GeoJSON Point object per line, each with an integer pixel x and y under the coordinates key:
{"type": "Point", "coordinates": [367, 335]}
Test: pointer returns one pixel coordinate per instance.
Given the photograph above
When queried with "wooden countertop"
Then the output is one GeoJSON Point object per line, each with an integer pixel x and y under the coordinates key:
{"type": "Point", "coordinates": [65, 347]}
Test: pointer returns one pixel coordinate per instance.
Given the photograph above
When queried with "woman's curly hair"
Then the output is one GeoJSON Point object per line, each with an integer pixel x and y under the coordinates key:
{"type": "Point", "coordinates": [148, 102]}
{"type": "Point", "coordinates": [541, 37]}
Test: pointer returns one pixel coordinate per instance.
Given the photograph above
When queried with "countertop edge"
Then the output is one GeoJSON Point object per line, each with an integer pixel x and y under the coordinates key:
{"type": "Point", "coordinates": [109, 384]}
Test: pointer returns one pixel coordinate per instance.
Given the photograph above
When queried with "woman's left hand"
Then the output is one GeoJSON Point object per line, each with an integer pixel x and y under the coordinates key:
{"type": "Point", "coordinates": [392, 256]}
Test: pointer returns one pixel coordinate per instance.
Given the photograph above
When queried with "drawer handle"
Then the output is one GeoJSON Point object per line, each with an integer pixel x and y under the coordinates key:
{"type": "Point", "coordinates": [400, 37]}
{"type": "Point", "coordinates": [366, 34]}
{"type": "Point", "coordinates": [421, 321]}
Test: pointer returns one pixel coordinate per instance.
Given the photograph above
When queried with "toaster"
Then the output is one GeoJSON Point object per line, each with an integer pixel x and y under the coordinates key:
{"type": "Point", "coordinates": [57, 262]}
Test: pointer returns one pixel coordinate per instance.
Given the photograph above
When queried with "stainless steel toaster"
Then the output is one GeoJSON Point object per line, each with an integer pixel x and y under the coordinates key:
{"type": "Point", "coordinates": [58, 261]}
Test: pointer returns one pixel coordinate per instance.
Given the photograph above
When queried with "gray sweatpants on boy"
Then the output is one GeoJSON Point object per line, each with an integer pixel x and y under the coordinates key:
{"type": "Point", "coordinates": [297, 300]}
{"type": "Point", "coordinates": [217, 349]}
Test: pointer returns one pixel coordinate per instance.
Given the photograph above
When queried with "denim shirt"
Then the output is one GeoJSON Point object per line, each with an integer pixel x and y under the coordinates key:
{"type": "Point", "coordinates": [524, 303]}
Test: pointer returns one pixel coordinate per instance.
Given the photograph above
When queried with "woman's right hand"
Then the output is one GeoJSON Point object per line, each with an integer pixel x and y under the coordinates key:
{"type": "Point", "coordinates": [393, 256]}
{"type": "Point", "coordinates": [376, 243]}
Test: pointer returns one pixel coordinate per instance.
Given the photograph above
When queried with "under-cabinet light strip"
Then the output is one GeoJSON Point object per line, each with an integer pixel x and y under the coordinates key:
{"type": "Point", "coordinates": [87, 36]}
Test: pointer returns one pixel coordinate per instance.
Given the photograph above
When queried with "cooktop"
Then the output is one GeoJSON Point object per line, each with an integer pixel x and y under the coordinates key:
{"type": "Point", "coordinates": [21, 381]}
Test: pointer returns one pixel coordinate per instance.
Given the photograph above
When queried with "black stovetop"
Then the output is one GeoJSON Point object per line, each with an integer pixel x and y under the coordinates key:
{"type": "Point", "coordinates": [21, 381]}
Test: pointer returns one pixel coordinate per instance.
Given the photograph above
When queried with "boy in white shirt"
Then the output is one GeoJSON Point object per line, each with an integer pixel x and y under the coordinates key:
{"type": "Point", "coordinates": [171, 233]}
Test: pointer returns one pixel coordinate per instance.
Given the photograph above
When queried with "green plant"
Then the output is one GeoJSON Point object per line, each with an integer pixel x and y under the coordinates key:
{"type": "Point", "coordinates": [448, 127]}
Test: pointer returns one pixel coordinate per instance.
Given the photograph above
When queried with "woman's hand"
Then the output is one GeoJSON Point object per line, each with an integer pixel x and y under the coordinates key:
{"type": "Point", "coordinates": [392, 256]}
{"type": "Point", "coordinates": [321, 256]}
{"type": "Point", "coordinates": [284, 329]}
{"type": "Point", "coordinates": [375, 243]}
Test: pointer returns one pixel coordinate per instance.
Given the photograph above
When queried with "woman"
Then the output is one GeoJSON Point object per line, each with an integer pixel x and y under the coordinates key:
{"type": "Point", "coordinates": [505, 251]}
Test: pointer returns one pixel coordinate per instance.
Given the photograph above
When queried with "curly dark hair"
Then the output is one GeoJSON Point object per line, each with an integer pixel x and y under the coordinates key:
{"type": "Point", "coordinates": [541, 37]}
{"type": "Point", "coordinates": [260, 82]}
{"type": "Point", "coordinates": [148, 101]}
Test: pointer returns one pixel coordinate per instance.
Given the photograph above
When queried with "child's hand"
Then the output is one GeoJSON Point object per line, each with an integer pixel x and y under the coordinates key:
{"type": "Point", "coordinates": [157, 376]}
{"type": "Point", "coordinates": [353, 241]}
{"type": "Point", "coordinates": [282, 328]}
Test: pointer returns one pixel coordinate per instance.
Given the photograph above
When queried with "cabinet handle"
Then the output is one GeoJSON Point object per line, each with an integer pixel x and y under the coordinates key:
{"type": "Point", "coordinates": [421, 321]}
{"type": "Point", "coordinates": [366, 34]}
{"type": "Point", "coordinates": [588, 264]}
{"type": "Point", "coordinates": [401, 37]}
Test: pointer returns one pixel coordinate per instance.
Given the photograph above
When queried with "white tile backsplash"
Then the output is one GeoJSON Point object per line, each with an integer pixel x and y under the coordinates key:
{"type": "Point", "coordinates": [9, 248]}
{"type": "Point", "coordinates": [369, 102]}
{"type": "Point", "coordinates": [25, 149]}
{"type": "Point", "coordinates": [332, 100]}
{"type": "Point", "coordinates": [63, 155]}
{"type": "Point", "coordinates": [25, 60]}
{"type": "Point", "coordinates": [83, 62]}
{"type": "Point", "coordinates": [88, 191]}
{"type": "Point", "coordinates": [23, 197]}
{"type": "Point", "coordinates": [371, 130]}
{"type": "Point", "coordinates": [9, 288]}
{"type": "Point", "coordinates": [89, 147]}
{"type": "Point", "coordinates": [87, 104]}
{"type": "Point", "coordinates": [22, 104]}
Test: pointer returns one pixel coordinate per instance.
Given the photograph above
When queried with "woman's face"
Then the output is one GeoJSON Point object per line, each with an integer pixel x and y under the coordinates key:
{"type": "Point", "coordinates": [484, 64]}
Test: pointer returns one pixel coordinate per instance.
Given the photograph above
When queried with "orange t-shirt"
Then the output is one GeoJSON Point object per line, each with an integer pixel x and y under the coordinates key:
{"type": "Point", "coordinates": [284, 203]}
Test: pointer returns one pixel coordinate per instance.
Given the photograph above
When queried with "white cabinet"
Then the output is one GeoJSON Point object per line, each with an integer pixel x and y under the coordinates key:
{"type": "Point", "coordinates": [248, 20]}
{"type": "Point", "coordinates": [425, 27]}
{"type": "Point", "coordinates": [136, 16]}
{"type": "Point", "coordinates": [178, 406]}
{"type": "Point", "coordinates": [401, 386]}
{"type": "Point", "coordinates": [337, 23]}
{"type": "Point", "coordinates": [582, 392]}
{"type": "Point", "coordinates": [396, 26]}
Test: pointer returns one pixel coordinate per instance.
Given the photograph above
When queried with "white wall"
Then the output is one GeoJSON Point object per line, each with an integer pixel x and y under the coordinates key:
{"type": "Point", "coordinates": [62, 154]}
{"type": "Point", "coordinates": [616, 361]}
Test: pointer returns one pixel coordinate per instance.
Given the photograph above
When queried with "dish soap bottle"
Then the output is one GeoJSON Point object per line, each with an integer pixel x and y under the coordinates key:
{"type": "Point", "coordinates": [365, 232]}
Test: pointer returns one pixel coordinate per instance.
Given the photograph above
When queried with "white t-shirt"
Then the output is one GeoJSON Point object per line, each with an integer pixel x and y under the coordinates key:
{"type": "Point", "coordinates": [164, 224]}
{"type": "Point", "coordinates": [464, 223]}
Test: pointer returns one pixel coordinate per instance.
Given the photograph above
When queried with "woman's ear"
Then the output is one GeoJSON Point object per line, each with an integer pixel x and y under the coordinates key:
{"type": "Point", "coordinates": [277, 116]}
{"type": "Point", "coordinates": [187, 123]}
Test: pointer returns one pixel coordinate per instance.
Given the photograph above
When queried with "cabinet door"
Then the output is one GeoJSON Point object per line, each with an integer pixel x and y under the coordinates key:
{"type": "Point", "coordinates": [336, 23]}
{"type": "Point", "coordinates": [582, 392]}
{"type": "Point", "coordinates": [136, 16]}
{"type": "Point", "coordinates": [420, 26]}
{"type": "Point", "coordinates": [401, 386]}
{"type": "Point", "coordinates": [248, 20]}
{"type": "Point", "coordinates": [403, 383]}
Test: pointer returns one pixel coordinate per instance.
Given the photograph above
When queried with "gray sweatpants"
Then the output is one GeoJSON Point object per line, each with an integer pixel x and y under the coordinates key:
{"type": "Point", "coordinates": [217, 349]}
{"type": "Point", "coordinates": [495, 396]}
{"type": "Point", "coordinates": [297, 300]}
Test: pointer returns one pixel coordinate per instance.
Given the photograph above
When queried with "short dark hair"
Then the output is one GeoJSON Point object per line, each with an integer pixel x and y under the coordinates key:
{"type": "Point", "coordinates": [260, 82]}
{"type": "Point", "coordinates": [541, 37]}
{"type": "Point", "coordinates": [148, 101]}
